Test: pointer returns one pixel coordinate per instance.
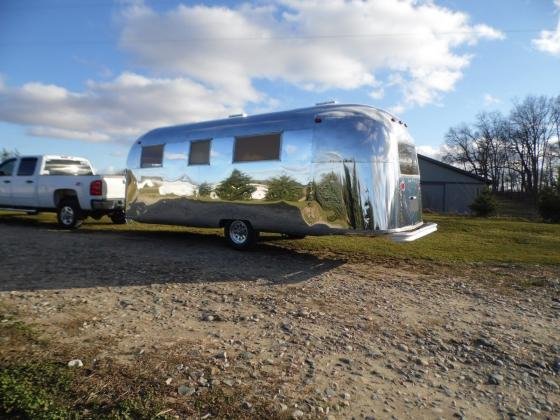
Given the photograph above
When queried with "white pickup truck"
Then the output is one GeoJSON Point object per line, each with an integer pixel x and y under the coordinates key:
{"type": "Point", "coordinates": [62, 184]}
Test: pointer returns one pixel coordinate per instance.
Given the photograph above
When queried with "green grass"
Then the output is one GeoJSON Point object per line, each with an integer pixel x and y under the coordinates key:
{"type": "Point", "coordinates": [31, 390]}
{"type": "Point", "coordinates": [458, 239]}
{"type": "Point", "coordinates": [36, 383]}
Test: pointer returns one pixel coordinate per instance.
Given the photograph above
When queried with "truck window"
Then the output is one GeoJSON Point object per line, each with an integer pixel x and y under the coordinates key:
{"type": "Point", "coordinates": [252, 148]}
{"type": "Point", "coordinates": [27, 166]}
{"type": "Point", "coordinates": [67, 167]}
{"type": "Point", "coordinates": [152, 156]}
{"type": "Point", "coordinates": [200, 152]}
{"type": "Point", "coordinates": [7, 168]}
{"type": "Point", "coordinates": [408, 160]}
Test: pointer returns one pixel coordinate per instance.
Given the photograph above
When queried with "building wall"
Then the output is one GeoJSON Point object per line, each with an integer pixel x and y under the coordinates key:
{"type": "Point", "coordinates": [446, 190]}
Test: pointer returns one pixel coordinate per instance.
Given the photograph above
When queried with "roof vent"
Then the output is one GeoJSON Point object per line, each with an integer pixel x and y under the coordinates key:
{"type": "Point", "coordinates": [238, 115]}
{"type": "Point", "coordinates": [331, 102]}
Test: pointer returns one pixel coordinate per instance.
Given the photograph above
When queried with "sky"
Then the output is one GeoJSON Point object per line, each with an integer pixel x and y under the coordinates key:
{"type": "Point", "coordinates": [86, 78]}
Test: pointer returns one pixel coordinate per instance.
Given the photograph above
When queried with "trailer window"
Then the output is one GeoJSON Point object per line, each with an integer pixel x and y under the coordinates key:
{"type": "Point", "coordinates": [252, 148]}
{"type": "Point", "coordinates": [152, 156]}
{"type": "Point", "coordinates": [200, 152]}
{"type": "Point", "coordinates": [408, 161]}
{"type": "Point", "coordinates": [67, 167]}
{"type": "Point", "coordinates": [27, 166]}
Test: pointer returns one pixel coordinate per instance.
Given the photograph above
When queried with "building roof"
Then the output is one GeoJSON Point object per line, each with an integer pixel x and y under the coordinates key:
{"type": "Point", "coordinates": [454, 168]}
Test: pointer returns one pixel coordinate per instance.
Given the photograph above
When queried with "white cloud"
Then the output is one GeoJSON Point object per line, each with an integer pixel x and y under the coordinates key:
{"type": "Point", "coordinates": [549, 41]}
{"type": "Point", "coordinates": [377, 94]}
{"type": "Point", "coordinates": [121, 108]}
{"type": "Point", "coordinates": [490, 100]}
{"type": "Point", "coordinates": [208, 59]}
{"type": "Point", "coordinates": [436, 152]}
{"type": "Point", "coordinates": [315, 45]}
{"type": "Point", "coordinates": [429, 151]}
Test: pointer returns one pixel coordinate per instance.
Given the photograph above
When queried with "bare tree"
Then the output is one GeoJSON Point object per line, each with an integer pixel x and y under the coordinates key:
{"type": "Point", "coordinates": [491, 141]}
{"type": "Point", "coordinates": [6, 154]}
{"type": "Point", "coordinates": [480, 149]}
{"type": "Point", "coordinates": [461, 148]}
{"type": "Point", "coordinates": [531, 135]}
{"type": "Point", "coordinates": [519, 153]}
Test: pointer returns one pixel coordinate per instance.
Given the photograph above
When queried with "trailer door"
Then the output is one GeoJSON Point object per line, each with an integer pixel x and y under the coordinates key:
{"type": "Point", "coordinates": [409, 186]}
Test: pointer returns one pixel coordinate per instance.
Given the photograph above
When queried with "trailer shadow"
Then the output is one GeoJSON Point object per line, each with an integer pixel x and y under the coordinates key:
{"type": "Point", "coordinates": [36, 255]}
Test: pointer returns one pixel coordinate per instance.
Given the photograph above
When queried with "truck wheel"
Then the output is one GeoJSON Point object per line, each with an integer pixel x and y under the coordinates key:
{"type": "Point", "coordinates": [240, 234]}
{"type": "Point", "coordinates": [118, 217]}
{"type": "Point", "coordinates": [69, 214]}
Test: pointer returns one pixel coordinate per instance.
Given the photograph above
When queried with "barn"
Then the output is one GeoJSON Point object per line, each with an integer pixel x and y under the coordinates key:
{"type": "Point", "coordinates": [447, 189]}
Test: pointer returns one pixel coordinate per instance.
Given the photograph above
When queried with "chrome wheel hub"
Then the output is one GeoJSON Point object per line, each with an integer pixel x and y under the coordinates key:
{"type": "Point", "coordinates": [67, 215]}
{"type": "Point", "coordinates": [238, 232]}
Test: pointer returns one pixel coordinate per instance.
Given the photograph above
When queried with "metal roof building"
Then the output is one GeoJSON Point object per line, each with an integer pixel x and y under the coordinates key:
{"type": "Point", "coordinates": [447, 189]}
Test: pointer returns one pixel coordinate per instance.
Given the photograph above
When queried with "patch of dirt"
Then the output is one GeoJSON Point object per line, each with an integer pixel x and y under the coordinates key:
{"type": "Point", "coordinates": [312, 335]}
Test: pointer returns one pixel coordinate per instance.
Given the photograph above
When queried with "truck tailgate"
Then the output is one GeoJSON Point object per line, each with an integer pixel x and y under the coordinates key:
{"type": "Point", "coordinates": [114, 186]}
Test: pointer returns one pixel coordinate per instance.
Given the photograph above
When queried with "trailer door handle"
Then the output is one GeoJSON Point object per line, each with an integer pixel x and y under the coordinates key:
{"type": "Point", "coordinates": [29, 181]}
{"type": "Point", "coordinates": [7, 181]}
{"type": "Point", "coordinates": [412, 197]}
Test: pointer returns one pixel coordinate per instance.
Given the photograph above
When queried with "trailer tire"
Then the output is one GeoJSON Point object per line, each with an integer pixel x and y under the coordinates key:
{"type": "Point", "coordinates": [69, 214]}
{"type": "Point", "coordinates": [240, 234]}
{"type": "Point", "coordinates": [118, 217]}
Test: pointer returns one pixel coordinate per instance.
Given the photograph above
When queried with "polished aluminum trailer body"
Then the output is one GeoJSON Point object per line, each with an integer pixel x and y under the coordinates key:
{"type": "Point", "coordinates": [337, 170]}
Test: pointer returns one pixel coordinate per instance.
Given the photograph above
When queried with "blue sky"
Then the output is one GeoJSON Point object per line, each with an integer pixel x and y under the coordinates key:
{"type": "Point", "coordinates": [86, 78]}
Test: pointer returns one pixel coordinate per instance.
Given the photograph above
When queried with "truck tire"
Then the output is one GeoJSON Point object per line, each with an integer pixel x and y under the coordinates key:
{"type": "Point", "coordinates": [69, 214]}
{"type": "Point", "coordinates": [118, 217]}
{"type": "Point", "coordinates": [240, 234]}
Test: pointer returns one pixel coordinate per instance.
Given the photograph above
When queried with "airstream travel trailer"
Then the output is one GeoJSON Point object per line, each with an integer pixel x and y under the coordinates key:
{"type": "Point", "coordinates": [328, 169]}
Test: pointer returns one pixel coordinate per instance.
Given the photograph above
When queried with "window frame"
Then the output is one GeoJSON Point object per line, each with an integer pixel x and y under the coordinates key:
{"type": "Point", "coordinates": [153, 146]}
{"type": "Point", "coordinates": [13, 167]}
{"type": "Point", "coordinates": [415, 161]}
{"type": "Point", "coordinates": [48, 163]}
{"type": "Point", "coordinates": [191, 142]}
{"type": "Point", "coordinates": [280, 135]}
{"type": "Point", "coordinates": [27, 159]}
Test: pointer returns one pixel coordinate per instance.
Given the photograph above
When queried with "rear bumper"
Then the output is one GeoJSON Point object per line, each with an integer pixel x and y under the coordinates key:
{"type": "Point", "coordinates": [107, 205]}
{"type": "Point", "coordinates": [412, 235]}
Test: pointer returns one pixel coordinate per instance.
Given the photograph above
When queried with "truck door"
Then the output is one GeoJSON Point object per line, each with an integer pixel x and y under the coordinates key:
{"type": "Point", "coordinates": [24, 187]}
{"type": "Point", "coordinates": [6, 172]}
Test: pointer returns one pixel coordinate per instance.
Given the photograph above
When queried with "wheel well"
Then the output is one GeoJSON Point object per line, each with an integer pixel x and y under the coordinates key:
{"type": "Point", "coordinates": [224, 222]}
{"type": "Point", "coordinates": [60, 195]}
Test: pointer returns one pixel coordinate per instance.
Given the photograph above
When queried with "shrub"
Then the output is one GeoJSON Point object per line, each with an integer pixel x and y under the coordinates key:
{"type": "Point", "coordinates": [284, 188]}
{"type": "Point", "coordinates": [549, 205]}
{"type": "Point", "coordinates": [484, 204]}
{"type": "Point", "coordinates": [204, 190]}
{"type": "Point", "coordinates": [236, 187]}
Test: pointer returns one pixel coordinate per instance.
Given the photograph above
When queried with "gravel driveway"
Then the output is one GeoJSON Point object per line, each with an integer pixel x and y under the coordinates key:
{"type": "Point", "coordinates": [331, 337]}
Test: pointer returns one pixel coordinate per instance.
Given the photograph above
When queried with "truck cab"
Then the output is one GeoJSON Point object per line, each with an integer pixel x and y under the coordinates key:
{"type": "Point", "coordinates": [64, 184]}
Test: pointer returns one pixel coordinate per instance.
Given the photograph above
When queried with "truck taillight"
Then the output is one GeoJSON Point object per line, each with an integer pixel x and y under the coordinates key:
{"type": "Point", "coordinates": [96, 187]}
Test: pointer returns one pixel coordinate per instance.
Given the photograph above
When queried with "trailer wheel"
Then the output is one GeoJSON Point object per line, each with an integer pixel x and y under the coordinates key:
{"type": "Point", "coordinates": [69, 214]}
{"type": "Point", "coordinates": [118, 217]}
{"type": "Point", "coordinates": [240, 234]}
